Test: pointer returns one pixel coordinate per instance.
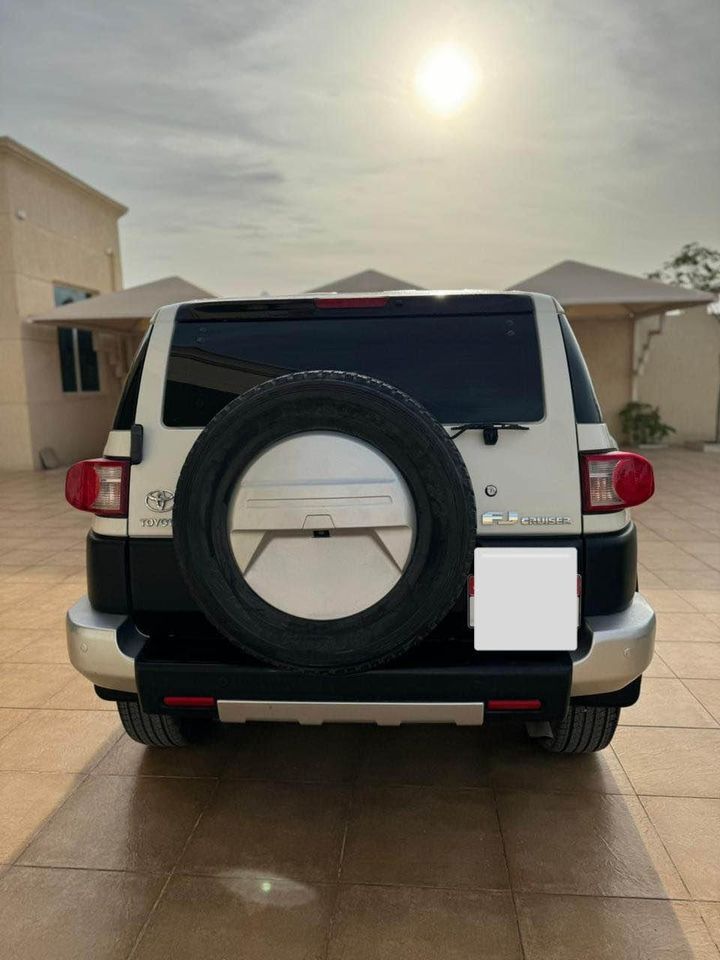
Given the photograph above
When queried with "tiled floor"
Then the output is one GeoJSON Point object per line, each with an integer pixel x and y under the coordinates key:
{"type": "Point", "coordinates": [355, 843]}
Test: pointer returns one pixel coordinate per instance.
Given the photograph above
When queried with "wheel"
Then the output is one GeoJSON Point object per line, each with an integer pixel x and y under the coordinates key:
{"type": "Point", "coordinates": [583, 730]}
{"type": "Point", "coordinates": [156, 729]}
{"type": "Point", "coordinates": [324, 522]}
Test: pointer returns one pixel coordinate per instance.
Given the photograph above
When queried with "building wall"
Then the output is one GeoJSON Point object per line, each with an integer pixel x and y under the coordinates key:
{"type": "Point", "coordinates": [682, 372]}
{"type": "Point", "coordinates": [63, 235]}
{"type": "Point", "coordinates": [608, 349]}
{"type": "Point", "coordinates": [14, 418]}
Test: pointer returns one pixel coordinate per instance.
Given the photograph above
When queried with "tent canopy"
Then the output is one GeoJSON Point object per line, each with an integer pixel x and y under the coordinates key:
{"type": "Point", "coordinates": [123, 311]}
{"type": "Point", "coordinates": [368, 281]}
{"type": "Point", "coordinates": [590, 291]}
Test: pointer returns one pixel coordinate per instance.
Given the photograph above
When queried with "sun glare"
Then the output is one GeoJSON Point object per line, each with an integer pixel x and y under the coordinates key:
{"type": "Point", "coordinates": [446, 79]}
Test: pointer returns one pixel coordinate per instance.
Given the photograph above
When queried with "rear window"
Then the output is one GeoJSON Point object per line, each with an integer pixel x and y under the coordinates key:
{"type": "Point", "coordinates": [127, 405]}
{"type": "Point", "coordinates": [465, 358]}
{"type": "Point", "coordinates": [587, 408]}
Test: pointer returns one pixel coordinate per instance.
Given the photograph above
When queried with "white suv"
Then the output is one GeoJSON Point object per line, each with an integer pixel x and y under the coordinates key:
{"type": "Point", "coordinates": [389, 508]}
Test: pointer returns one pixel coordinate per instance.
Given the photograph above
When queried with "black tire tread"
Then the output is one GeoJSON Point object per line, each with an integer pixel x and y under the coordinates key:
{"type": "Point", "coordinates": [203, 449]}
{"type": "Point", "coordinates": [150, 729]}
{"type": "Point", "coordinates": [468, 491]}
{"type": "Point", "coordinates": [583, 729]}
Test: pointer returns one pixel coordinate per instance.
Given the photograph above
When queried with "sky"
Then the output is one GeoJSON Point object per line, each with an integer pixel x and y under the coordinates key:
{"type": "Point", "coordinates": [274, 145]}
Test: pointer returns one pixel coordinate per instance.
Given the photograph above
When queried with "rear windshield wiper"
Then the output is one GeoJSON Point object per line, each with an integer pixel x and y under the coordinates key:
{"type": "Point", "coordinates": [490, 430]}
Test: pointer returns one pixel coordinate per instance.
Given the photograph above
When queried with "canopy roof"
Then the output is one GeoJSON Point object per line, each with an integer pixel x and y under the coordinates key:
{"type": "Point", "coordinates": [123, 310]}
{"type": "Point", "coordinates": [368, 281]}
{"type": "Point", "coordinates": [590, 291]}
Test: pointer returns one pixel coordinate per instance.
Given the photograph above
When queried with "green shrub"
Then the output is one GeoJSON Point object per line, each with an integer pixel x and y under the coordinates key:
{"type": "Point", "coordinates": [641, 423]}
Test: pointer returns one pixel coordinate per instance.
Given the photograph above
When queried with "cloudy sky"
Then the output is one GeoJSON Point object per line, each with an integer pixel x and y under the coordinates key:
{"type": "Point", "coordinates": [277, 144]}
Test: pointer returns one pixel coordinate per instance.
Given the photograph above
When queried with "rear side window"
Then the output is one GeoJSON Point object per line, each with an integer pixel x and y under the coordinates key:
{"type": "Point", "coordinates": [585, 402]}
{"type": "Point", "coordinates": [127, 405]}
{"type": "Point", "coordinates": [465, 358]}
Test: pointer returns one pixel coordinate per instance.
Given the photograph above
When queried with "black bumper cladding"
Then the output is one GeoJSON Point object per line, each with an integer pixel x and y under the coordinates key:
{"type": "Point", "coordinates": [427, 677]}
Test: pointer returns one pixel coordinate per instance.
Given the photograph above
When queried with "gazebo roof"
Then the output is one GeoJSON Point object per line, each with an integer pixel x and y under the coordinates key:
{"type": "Point", "coordinates": [367, 281]}
{"type": "Point", "coordinates": [123, 310]}
{"type": "Point", "coordinates": [590, 291]}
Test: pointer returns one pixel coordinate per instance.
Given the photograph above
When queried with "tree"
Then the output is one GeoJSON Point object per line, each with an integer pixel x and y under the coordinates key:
{"type": "Point", "coordinates": [694, 266]}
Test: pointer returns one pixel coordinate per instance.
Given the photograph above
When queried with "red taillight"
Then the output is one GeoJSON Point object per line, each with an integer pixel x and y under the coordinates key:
{"type": "Point", "coordinates": [330, 303]}
{"type": "Point", "coordinates": [99, 486]}
{"type": "Point", "coordinates": [614, 481]}
{"type": "Point", "coordinates": [501, 705]}
{"type": "Point", "coordinates": [189, 701]}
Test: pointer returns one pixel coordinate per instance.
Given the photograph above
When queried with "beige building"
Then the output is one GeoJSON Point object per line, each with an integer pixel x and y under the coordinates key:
{"type": "Point", "coordinates": [58, 242]}
{"type": "Point", "coordinates": [68, 328]}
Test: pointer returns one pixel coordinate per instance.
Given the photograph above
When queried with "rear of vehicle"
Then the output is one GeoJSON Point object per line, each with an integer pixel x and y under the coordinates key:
{"type": "Point", "coordinates": [400, 508]}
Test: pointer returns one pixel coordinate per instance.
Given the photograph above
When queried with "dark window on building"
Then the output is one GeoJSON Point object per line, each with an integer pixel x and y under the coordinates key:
{"type": "Point", "coordinates": [465, 358]}
{"type": "Point", "coordinates": [66, 345]}
{"type": "Point", "coordinates": [63, 295]}
{"type": "Point", "coordinates": [78, 360]}
{"type": "Point", "coordinates": [88, 362]}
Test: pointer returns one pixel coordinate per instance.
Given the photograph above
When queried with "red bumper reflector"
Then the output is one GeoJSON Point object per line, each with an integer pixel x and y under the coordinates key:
{"type": "Point", "coordinates": [189, 701]}
{"type": "Point", "coordinates": [514, 704]}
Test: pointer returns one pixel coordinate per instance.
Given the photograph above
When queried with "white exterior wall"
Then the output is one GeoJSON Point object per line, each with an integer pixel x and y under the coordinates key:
{"type": "Point", "coordinates": [682, 372]}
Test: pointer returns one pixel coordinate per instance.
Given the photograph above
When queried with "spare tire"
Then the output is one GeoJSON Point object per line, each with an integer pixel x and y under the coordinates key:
{"type": "Point", "coordinates": [324, 521]}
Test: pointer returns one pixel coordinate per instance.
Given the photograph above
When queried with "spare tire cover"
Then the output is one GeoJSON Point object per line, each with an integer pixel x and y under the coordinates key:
{"type": "Point", "coordinates": [324, 521]}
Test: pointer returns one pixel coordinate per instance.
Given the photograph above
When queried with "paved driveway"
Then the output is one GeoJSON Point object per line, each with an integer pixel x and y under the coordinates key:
{"type": "Point", "coordinates": [342, 842]}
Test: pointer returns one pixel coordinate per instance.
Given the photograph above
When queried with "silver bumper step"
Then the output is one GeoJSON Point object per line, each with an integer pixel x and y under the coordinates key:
{"type": "Point", "coordinates": [383, 714]}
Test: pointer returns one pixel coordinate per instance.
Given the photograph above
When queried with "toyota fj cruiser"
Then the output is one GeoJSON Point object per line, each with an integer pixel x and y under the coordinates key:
{"type": "Point", "coordinates": [377, 508]}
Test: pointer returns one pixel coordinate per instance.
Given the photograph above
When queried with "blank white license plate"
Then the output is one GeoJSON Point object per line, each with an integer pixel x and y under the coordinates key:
{"type": "Point", "coordinates": [525, 598]}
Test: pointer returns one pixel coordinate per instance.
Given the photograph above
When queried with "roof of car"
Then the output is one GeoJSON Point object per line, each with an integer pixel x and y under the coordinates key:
{"type": "Point", "coordinates": [368, 295]}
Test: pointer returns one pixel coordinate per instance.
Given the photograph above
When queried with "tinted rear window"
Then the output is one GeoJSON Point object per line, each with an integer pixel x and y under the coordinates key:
{"type": "Point", "coordinates": [466, 358]}
{"type": "Point", "coordinates": [127, 405]}
{"type": "Point", "coordinates": [587, 408]}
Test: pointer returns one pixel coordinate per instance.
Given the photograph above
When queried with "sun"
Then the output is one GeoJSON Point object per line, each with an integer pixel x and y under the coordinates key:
{"type": "Point", "coordinates": [446, 79]}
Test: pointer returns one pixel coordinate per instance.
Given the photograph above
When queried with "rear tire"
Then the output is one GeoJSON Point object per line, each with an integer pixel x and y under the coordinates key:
{"type": "Point", "coordinates": [583, 730]}
{"type": "Point", "coordinates": [155, 729]}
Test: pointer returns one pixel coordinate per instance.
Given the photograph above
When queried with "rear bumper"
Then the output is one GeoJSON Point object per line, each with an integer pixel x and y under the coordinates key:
{"type": "Point", "coordinates": [621, 646]}
{"type": "Point", "coordinates": [443, 682]}
{"type": "Point", "coordinates": [110, 651]}
{"type": "Point", "coordinates": [103, 646]}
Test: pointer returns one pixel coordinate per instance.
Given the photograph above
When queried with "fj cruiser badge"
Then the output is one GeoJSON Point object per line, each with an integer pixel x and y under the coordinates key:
{"type": "Point", "coordinates": [509, 518]}
{"type": "Point", "coordinates": [160, 500]}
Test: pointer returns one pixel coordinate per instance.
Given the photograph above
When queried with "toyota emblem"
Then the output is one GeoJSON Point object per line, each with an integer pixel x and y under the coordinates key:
{"type": "Point", "coordinates": [160, 500]}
